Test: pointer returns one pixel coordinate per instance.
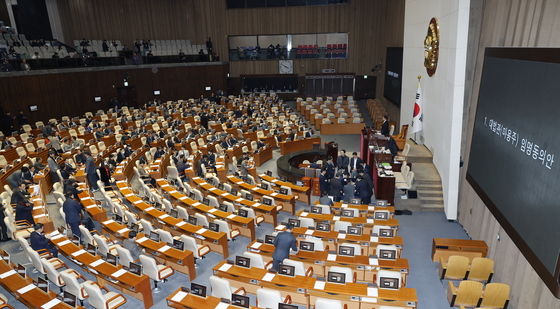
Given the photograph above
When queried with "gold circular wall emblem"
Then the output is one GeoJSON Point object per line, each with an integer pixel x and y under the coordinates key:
{"type": "Point", "coordinates": [431, 47]}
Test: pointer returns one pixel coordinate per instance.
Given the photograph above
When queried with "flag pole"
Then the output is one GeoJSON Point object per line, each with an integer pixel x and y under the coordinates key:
{"type": "Point", "coordinates": [419, 78]}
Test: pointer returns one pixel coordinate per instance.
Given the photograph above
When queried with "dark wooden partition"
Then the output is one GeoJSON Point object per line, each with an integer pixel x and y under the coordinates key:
{"type": "Point", "coordinates": [72, 93]}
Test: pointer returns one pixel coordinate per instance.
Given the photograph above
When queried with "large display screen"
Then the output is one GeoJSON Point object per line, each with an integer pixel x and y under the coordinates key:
{"type": "Point", "coordinates": [514, 162]}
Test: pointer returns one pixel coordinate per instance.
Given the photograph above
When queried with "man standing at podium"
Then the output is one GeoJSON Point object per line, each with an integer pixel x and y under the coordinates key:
{"type": "Point", "coordinates": [283, 242]}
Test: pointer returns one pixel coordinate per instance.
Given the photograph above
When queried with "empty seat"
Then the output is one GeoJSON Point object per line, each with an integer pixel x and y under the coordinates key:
{"type": "Point", "coordinates": [468, 293]}
{"type": "Point", "coordinates": [455, 268]}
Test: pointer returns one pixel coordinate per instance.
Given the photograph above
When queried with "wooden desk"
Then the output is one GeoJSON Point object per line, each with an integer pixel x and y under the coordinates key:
{"type": "Point", "coordinates": [128, 283]}
{"type": "Point", "coordinates": [364, 266]}
{"type": "Point", "coordinates": [34, 298]}
{"type": "Point", "coordinates": [342, 128]}
{"type": "Point", "coordinates": [304, 291]}
{"type": "Point", "coordinates": [245, 225]}
{"type": "Point", "coordinates": [288, 202]}
{"type": "Point", "coordinates": [270, 213]}
{"type": "Point", "coordinates": [302, 192]}
{"type": "Point", "coordinates": [181, 261]}
{"type": "Point", "coordinates": [263, 155]}
{"type": "Point", "coordinates": [445, 247]}
{"type": "Point", "coordinates": [183, 301]}
{"type": "Point", "coordinates": [298, 145]}
{"type": "Point", "coordinates": [384, 186]}
{"type": "Point", "coordinates": [367, 223]}
{"type": "Point", "coordinates": [339, 206]}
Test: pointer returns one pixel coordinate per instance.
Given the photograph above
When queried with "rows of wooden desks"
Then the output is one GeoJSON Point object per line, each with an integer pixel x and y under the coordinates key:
{"type": "Point", "coordinates": [288, 202]}
{"type": "Point", "coordinates": [298, 145]}
{"type": "Point", "coordinates": [302, 192]}
{"type": "Point", "coordinates": [367, 242]}
{"type": "Point", "coordinates": [105, 273]}
{"type": "Point", "coordinates": [184, 300]}
{"type": "Point", "coordinates": [305, 290]}
{"type": "Point", "coordinates": [270, 213]}
{"type": "Point", "coordinates": [263, 155]}
{"type": "Point", "coordinates": [366, 223]}
{"type": "Point", "coordinates": [245, 225]}
{"type": "Point", "coordinates": [365, 266]}
{"type": "Point", "coordinates": [216, 241]}
{"type": "Point", "coordinates": [25, 291]}
{"type": "Point", "coordinates": [339, 206]}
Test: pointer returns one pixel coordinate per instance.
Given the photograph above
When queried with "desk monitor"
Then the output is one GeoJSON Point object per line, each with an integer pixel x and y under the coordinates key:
{"type": "Point", "coordinates": [267, 201]}
{"type": "Point", "coordinates": [192, 196]}
{"type": "Point", "coordinates": [154, 236]}
{"type": "Point", "coordinates": [284, 191]}
{"type": "Point", "coordinates": [240, 300]}
{"type": "Point", "coordinates": [135, 268]}
{"type": "Point", "coordinates": [198, 289]}
{"type": "Point", "coordinates": [347, 213]}
{"type": "Point", "coordinates": [269, 173]}
{"type": "Point", "coordinates": [386, 232]}
{"type": "Point", "coordinates": [233, 191]}
{"type": "Point", "coordinates": [269, 239]}
{"type": "Point", "coordinates": [294, 222]}
{"type": "Point", "coordinates": [205, 201]}
{"type": "Point", "coordinates": [299, 183]}
{"type": "Point", "coordinates": [158, 206]}
{"type": "Point", "coordinates": [76, 240]}
{"type": "Point", "coordinates": [91, 249]}
{"type": "Point", "coordinates": [178, 244]}
{"type": "Point", "coordinates": [316, 210]}
{"type": "Point", "coordinates": [354, 230]}
{"type": "Point", "coordinates": [221, 186]}
{"type": "Point", "coordinates": [323, 226]}
{"type": "Point", "coordinates": [387, 254]}
{"type": "Point", "coordinates": [136, 228]}
{"type": "Point", "coordinates": [355, 201]}
{"type": "Point", "coordinates": [5, 256]}
{"type": "Point", "coordinates": [249, 196]}
{"type": "Point", "coordinates": [335, 277]}
{"type": "Point", "coordinates": [283, 178]}
{"type": "Point", "coordinates": [307, 246]}
{"type": "Point", "coordinates": [69, 299]}
{"type": "Point", "coordinates": [381, 203]}
{"type": "Point", "coordinates": [243, 212]}
{"type": "Point", "coordinates": [43, 284]}
{"type": "Point", "coordinates": [381, 215]}
{"type": "Point", "coordinates": [264, 186]}
{"type": "Point", "coordinates": [346, 250]}
{"type": "Point", "coordinates": [388, 283]}
{"type": "Point", "coordinates": [118, 219]}
{"type": "Point", "coordinates": [111, 259]}
{"type": "Point", "coordinates": [286, 306]}
{"type": "Point", "coordinates": [223, 207]}
{"type": "Point", "coordinates": [213, 227]}
{"type": "Point", "coordinates": [287, 270]}
{"type": "Point", "coordinates": [192, 220]}
{"type": "Point", "coordinates": [174, 213]}
{"type": "Point", "coordinates": [20, 270]}
{"type": "Point", "coordinates": [242, 261]}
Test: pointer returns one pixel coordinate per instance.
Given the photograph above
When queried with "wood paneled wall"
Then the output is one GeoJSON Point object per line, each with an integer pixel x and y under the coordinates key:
{"type": "Point", "coordinates": [72, 93]}
{"type": "Point", "coordinates": [497, 23]}
{"type": "Point", "coordinates": [372, 25]}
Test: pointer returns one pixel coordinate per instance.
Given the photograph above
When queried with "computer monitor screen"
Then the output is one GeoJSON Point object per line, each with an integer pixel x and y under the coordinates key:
{"type": "Point", "coordinates": [20, 269]}
{"type": "Point", "coordinates": [387, 254]}
{"type": "Point", "coordinates": [33, 108]}
{"type": "Point", "coordinates": [269, 173]}
{"type": "Point", "coordinates": [299, 183]}
{"type": "Point", "coordinates": [242, 261]}
{"type": "Point", "coordinates": [214, 227]}
{"type": "Point", "coordinates": [154, 236]}
{"type": "Point", "coordinates": [198, 289]}
{"type": "Point", "coordinates": [381, 203]}
{"type": "Point", "coordinates": [354, 230]}
{"type": "Point", "coordinates": [243, 212]}
{"type": "Point", "coordinates": [381, 215]}
{"type": "Point", "coordinates": [388, 283]}
{"type": "Point", "coordinates": [233, 191]}
{"type": "Point", "coordinates": [43, 284]}
{"type": "Point", "coordinates": [386, 232]}
{"type": "Point", "coordinates": [269, 239]}
{"type": "Point", "coordinates": [69, 299]}
{"type": "Point", "coordinates": [249, 196]}
{"type": "Point", "coordinates": [240, 300]}
{"type": "Point", "coordinates": [323, 226]}
{"type": "Point", "coordinates": [286, 270]}
{"type": "Point", "coordinates": [346, 250]}
{"type": "Point", "coordinates": [76, 240]}
{"type": "Point", "coordinates": [267, 201]}
{"type": "Point", "coordinates": [221, 186]}
{"type": "Point", "coordinates": [347, 213]}
{"type": "Point", "coordinates": [174, 213]}
{"type": "Point", "coordinates": [355, 201]}
{"type": "Point", "coordinates": [97, 99]}
{"type": "Point", "coordinates": [294, 222]}
{"type": "Point", "coordinates": [286, 306]}
{"type": "Point", "coordinates": [306, 246]}
{"type": "Point", "coordinates": [283, 191]}
{"type": "Point", "coordinates": [118, 218]}
{"type": "Point", "coordinates": [192, 196]}
{"type": "Point", "coordinates": [192, 220]}
{"type": "Point", "coordinates": [135, 268]}
{"type": "Point", "coordinates": [335, 277]}
{"type": "Point", "coordinates": [91, 249]}
{"type": "Point", "coordinates": [157, 92]}
{"type": "Point", "coordinates": [205, 201]}
{"type": "Point", "coordinates": [178, 244]}
{"type": "Point", "coordinates": [111, 259]}
{"type": "Point", "coordinates": [264, 186]}
{"type": "Point", "coordinates": [223, 207]}
{"type": "Point", "coordinates": [316, 210]}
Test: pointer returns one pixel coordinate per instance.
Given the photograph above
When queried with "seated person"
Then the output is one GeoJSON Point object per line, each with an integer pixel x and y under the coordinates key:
{"type": "Point", "coordinates": [38, 241]}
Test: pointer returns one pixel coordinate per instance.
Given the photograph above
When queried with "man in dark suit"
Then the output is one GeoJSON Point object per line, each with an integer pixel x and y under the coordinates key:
{"type": "Point", "coordinates": [355, 163]}
{"type": "Point", "coordinates": [38, 241]}
{"type": "Point", "coordinates": [24, 211]}
{"type": "Point", "coordinates": [19, 194]}
{"type": "Point", "coordinates": [335, 189]}
{"type": "Point", "coordinates": [342, 161]}
{"type": "Point", "coordinates": [330, 168]}
{"type": "Point", "coordinates": [283, 242]}
{"type": "Point", "coordinates": [91, 171]}
{"type": "Point", "coordinates": [324, 182]}
{"type": "Point", "coordinates": [348, 191]}
{"type": "Point", "coordinates": [72, 209]}
{"type": "Point", "coordinates": [363, 190]}
{"type": "Point", "coordinates": [385, 126]}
